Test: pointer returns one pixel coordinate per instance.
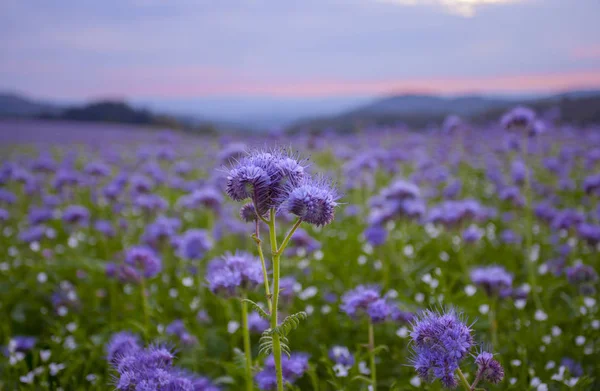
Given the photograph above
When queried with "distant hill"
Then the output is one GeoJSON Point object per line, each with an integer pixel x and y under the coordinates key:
{"type": "Point", "coordinates": [424, 110]}
{"type": "Point", "coordinates": [15, 105]}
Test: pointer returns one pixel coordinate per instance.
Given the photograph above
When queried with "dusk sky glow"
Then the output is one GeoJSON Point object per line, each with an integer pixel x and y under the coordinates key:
{"type": "Point", "coordinates": [314, 48]}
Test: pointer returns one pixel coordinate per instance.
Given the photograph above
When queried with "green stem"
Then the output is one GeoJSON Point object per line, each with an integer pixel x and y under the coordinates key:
{"type": "Point", "coordinates": [372, 356]}
{"type": "Point", "coordinates": [145, 307]}
{"type": "Point", "coordinates": [264, 266]}
{"type": "Point", "coordinates": [463, 380]}
{"type": "Point", "coordinates": [247, 351]}
{"type": "Point", "coordinates": [287, 238]}
{"type": "Point", "coordinates": [493, 324]}
{"type": "Point", "coordinates": [275, 300]}
{"type": "Point", "coordinates": [529, 226]}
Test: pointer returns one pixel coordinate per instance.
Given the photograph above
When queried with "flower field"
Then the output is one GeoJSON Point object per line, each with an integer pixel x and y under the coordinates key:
{"type": "Point", "coordinates": [463, 257]}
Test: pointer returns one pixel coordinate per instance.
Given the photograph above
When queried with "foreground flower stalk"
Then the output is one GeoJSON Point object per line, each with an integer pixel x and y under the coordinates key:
{"type": "Point", "coordinates": [247, 348]}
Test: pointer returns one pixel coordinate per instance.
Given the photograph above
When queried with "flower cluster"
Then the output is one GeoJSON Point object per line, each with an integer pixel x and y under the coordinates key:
{"type": "Point", "coordinates": [149, 368]}
{"type": "Point", "coordinates": [494, 280]}
{"type": "Point", "coordinates": [293, 368]}
{"type": "Point", "coordinates": [232, 272]}
{"type": "Point", "coordinates": [278, 180]}
{"type": "Point", "coordinates": [366, 300]}
{"type": "Point", "coordinates": [440, 342]}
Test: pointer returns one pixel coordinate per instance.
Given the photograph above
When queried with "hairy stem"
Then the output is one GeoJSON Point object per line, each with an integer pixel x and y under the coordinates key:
{"type": "Point", "coordinates": [463, 380]}
{"type": "Point", "coordinates": [247, 351]}
{"type": "Point", "coordinates": [287, 238]}
{"type": "Point", "coordinates": [493, 323]}
{"type": "Point", "coordinates": [258, 242]}
{"type": "Point", "coordinates": [275, 301]}
{"type": "Point", "coordinates": [372, 356]}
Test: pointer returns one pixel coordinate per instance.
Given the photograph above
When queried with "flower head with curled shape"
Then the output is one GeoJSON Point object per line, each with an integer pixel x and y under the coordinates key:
{"type": "Point", "coordinates": [488, 369]}
{"type": "Point", "coordinates": [493, 279]}
{"type": "Point", "coordinates": [441, 340]}
{"type": "Point", "coordinates": [144, 260]}
{"type": "Point", "coordinates": [264, 177]}
{"type": "Point", "coordinates": [232, 272]}
{"type": "Point", "coordinates": [367, 300]}
{"type": "Point", "coordinates": [518, 118]}
{"type": "Point", "coordinates": [313, 201]}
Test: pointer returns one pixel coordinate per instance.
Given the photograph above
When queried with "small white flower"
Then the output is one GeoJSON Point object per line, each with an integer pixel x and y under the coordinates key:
{"type": "Point", "coordinates": [556, 331]}
{"type": "Point", "coordinates": [415, 381]}
{"type": "Point", "coordinates": [318, 255]}
{"type": "Point", "coordinates": [419, 297]}
{"type": "Point", "coordinates": [572, 381]}
{"type": "Point", "coordinates": [595, 324]}
{"type": "Point", "coordinates": [187, 281]}
{"type": "Point", "coordinates": [232, 326]}
{"type": "Point", "coordinates": [91, 378]}
{"type": "Point", "coordinates": [340, 370]}
{"type": "Point", "coordinates": [377, 265]}
{"type": "Point", "coordinates": [590, 302]}
{"type": "Point", "coordinates": [484, 309]}
{"type": "Point", "coordinates": [546, 339]}
{"type": "Point", "coordinates": [580, 340]}
{"type": "Point", "coordinates": [513, 380]}
{"type": "Point", "coordinates": [535, 382]}
{"type": "Point", "coordinates": [470, 290]}
{"type": "Point", "coordinates": [550, 365]}
{"type": "Point", "coordinates": [560, 375]}
{"type": "Point", "coordinates": [542, 387]}
{"type": "Point", "coordinates": [55, 368]}
{"type": "Point", "coordinates": [520, 303]}
{"type": "Point", "coordinates": [540, 315]}
{"type": "Point", "coordinates": [583, 310]}
{"type": "Point", "coordinates": [363, 369]}
{"type": "Point", "coordinates": [308, 293]}
{"type": "Point", "coordinates": [444, 256]}
{"type": "Point", "coordinates": [362, 260]}
{"type": "Point", "coordinates": [309, 309]}
{"type": "Point", "coordinates": [27, 379]}
{"type": "Point", "coordinates": [70, 343]}
{"type": "Point", "coordinates": [402, 332]}
{"type": "Point", "coordinates": [42, 277]}
{"type": "Point", "coordinates": [367, 249]}
{"type": "Point", "coordinates": [409, 250]}
{"type": "Point", "coordinates": [173, 293]}
{"type": "Point", "coordinates": [45, 355]}
{"type": "Point", "coordinates": [515, 363]}
{"type": "Point", "coordinates": [71, 326]}
{"type": "Point", "coordinates": [39, 370]}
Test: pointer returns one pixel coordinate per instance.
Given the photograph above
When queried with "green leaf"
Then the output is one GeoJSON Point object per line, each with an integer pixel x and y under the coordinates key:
{"type": "Point", "coordinates": [289, 323]}
{"type": "Point", "coordinates": [257, 308]}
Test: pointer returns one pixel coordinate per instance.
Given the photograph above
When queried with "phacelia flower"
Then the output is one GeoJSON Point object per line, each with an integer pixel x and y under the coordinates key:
{"type": "Point", "coordinates": [488, 369]}
{"type": "Point", "coordinates": [441, 340]}
{"type": "Point", "coordinates": [76, 214]}
{"type": "Point", "coordinates": [493, 279]}
{"type": "Point", "coordinates": [144, 260]}
{"type": "Point", "coordinates": [341, 355]}
{"type": "Point", "coordinates": [366, 300]}
{"type": "Point", "coordinates": [313, 201]}
{"type": "Point", "coordinates": [228, 274]}
{"type": "Point", "coordinates": [120, 345]}
{"type": "Point", "coordinates": [293, 368]}
{"type": "Point", "coordinates": [178, 329]}
{"type": "Point", "coordinates": [582, 276]}
{"type": "Point", "coordinates": [519, 118]}
{"type": "Point", "coordinates": [194, 244]}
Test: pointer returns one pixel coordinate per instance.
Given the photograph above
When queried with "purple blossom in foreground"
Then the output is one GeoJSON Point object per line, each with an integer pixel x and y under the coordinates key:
{"type": "Point", "coordinates": [493, 279]}
{"type": "Point", "coordinates": [441, 340]}
{"type": "Point", "coordinates": [232, 272]}
{"type": "Point", "coordinates": [488, 369]}
{"type": "Point", "coordinates": [293, 368]}
{"type": "Point", "coordinates": [313, 201]}
{"type": "Point", "coordinates": [120, 345]}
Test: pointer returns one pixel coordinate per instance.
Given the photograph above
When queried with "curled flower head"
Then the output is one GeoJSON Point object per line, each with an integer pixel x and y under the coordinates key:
{"type": "Point", "coordinates": [313, 201]}
{"type": "Point", "coordinates": [366, 300]}
{"type": "Point", "coordinates": [488, 369]}
{"type": "Point", "coordinates": [248, 213]}
{"type": "Point", "coordinates": [232, 272]}
{"type": "Point", "coordinates": [493, 279]}
{"type": "Point", "coordinates": [518, 118]}
{"type": "Point", "coordinates": [441, 340]}
{"type": "Point", "coordinates": [144, 260]}
{"type": "Point", "coordinates": [193, 244]}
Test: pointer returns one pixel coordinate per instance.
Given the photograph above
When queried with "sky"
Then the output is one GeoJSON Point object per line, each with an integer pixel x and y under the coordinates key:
{"type": "Point", "coordinates": [181, 50]}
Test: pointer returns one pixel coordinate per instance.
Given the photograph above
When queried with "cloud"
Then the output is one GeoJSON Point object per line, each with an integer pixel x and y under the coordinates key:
{"type": "Point", "coordinates": [465, 8]}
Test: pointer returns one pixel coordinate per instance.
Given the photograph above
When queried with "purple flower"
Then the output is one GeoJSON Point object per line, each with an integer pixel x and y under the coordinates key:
{"type": "Point", "coordinates": [493, 279]}
{"type": "Point", "coordinates": [313, 201]}
{"type": "Point", "coordinates": [76, 214]}
{"type": "Point", "coordinates": [256, 323]}
{"type": "Point", "coordinates": [591, 184]}
{"type": "Point", "coordinates": [572, 366]}
{"type": "Point", "coordinates": [4, 215]}
{"type": "Point", "coordinates": [33, 234]}
{"type": "Point", "coordinates": [161, 230]}
{"type": "Point", "coordinates": [520, 118]}
{"type": "Point", "coordinates": [120, 345]}
{"type": "Point", "coordinates": [20, 343]}
{"type": "Point", "coordinates": [590, 233]}
{"type": "Point", "coordinates": [366, 299]}
{"type": "Point", "coordinates": [489, 369]}
{"type": "Point", "coordinates": [472, 234]}
{"type": "Point", "coordinates": [232, 272]}
{"type": "Point", "coordinates": [97, 169]}
{"type": "Point", "coordinates": [177, 328]}
{"type": "Point", "coordinates": [248, 213]}
{"type": "Point", "coordinates": [341, 355]}
{"type": "Point", "coordinates": [376, 235]}
{"type": "Point", "coordinates": [193, 244]}
{"type": "Point", "coordinates": [441, 340]}
{"type": "Point", "coordinates": [144, 260]}
{"type": "Point", "coordinates": [105, 227]}
{"type": "Point", "coordinates": [7, 197]}
{"type": "Point", "coordinates": [150, 203]}
{"type": "Point", "coordinates": [582, 276]}
{"type": "Point", "coordinates": [292, 367]}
